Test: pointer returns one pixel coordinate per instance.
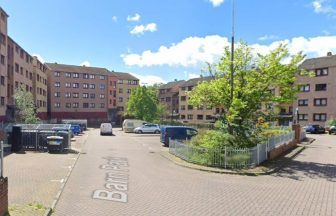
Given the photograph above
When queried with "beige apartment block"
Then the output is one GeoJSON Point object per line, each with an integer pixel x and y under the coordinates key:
{"type": "Point", "coordinates": [40, 89]}
{"type": "Point", "coordinates": [169, 97]}
{"type": "Point", "coordinates": [316, 101]}
{"type": "Point", "coordinates": [3, 64]}
{"type": "Point", "coordinates": [125, 84]}
{"type": "Point", "coordinates": [77, 92]}
{"type": "Point", "coordinates": [191, 114]}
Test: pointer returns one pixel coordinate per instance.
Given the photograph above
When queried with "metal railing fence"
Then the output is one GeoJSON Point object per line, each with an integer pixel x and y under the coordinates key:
{"type": "Point", "coordinates": [227, 157]}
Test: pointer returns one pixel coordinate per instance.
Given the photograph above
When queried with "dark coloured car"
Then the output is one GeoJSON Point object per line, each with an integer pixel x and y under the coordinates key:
{"type": "Point", "coordinates": [332, 130]}
{"type": "Point", "coordinates": [315, 129]}
{"type": "Point", "coordinates": [176, 133]}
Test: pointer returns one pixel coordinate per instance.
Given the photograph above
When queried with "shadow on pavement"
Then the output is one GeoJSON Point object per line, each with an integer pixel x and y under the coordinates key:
{"type": "Point", "coordinates": [298, 170]}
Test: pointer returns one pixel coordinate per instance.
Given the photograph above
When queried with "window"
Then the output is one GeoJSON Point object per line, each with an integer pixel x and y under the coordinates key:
{"type": "Point", "coordinates": [16, 84]}
{"type": "Point", "coordinates": [85, 95]}
{"type": "Point", "coordinates": [57, 74]}
{"type": "Point", "coordinates": [162, 99]}
{"type": "Point", "coordinates": [303, 117]}
{"type": "Point", "coordinates": [208, 117]}
{"type": "Point", "coordinates": [190, 107]}
{"type": "Point", "coordinates": [129, 91]}
{"type": "Point", "coordinates": [75, 105]}
{"type": "Point", "coordinates": [85, 86]}
{"type": "Point", "coordinates": [2, 60]}
{"type": "Point", "coordinates": [183, 98]}
{"type": "Point", "coordinates": [85, 76]}
{"type": "Point", "coordinates": [305, 88]}
{"type": "Point", "coordinates": [85, 105]}
{"type": "Point", "coordinates": [67, 105]}
{"type": "Point", "coordinates": [67, 74]}
{"type": "Point", "coordinates": [57, 94]}
{"type": "Point", "coordinates": [190, 117]}
{"type": "Point", "coordinates": [2, 37]}
{"type": "Point", "coordinates": [101, 96]}
{"type": "Point", "coordinates": [57, 105]}
{"type": "Point", "coordinates": [92, 76]}
{"type": "Point", "coordinates": [303, 102]}
{"type": "Point", "coordinates": [320, 117]}
{"type": "Point", "coordinates": [57, 84]}
{"type": "Point", "coordinates": [190, 88]}
{"type": "Point", "coordinates": [321, 72]}
{"type": "Point", "coordinates": [101, 77]}
{"type": "Point", "coordinates": [320, 87]}
{"type": "Point", "coordinates": [200, 108]}
{"type": "Point", "coordinates": [120, 108]}
{"type": "Point", "coordinates": [114, 93]}
{"type": "Point", "coordinates": [75, 85]}
{"type": "Point", "coordinates": [2, 101]}
{"type": "Point", "coordinates": [17, 67]}
{"type": "Point", "coordinates": [67, 94]}
{"type": "Point", "coordinates": [92, 95]}
{"type": "Point", "coordinates": [92, 105]}
{"type": "Point", "coordinates": [199, 117]}
{"type": "Point", "coordinates": [75, 95]}
{"type": "Point", "coordinates": [168, 99]}
{"type": "Point", "coordinates": [120, 81]}
{"type": "Point", "coordinates": [183, 107]}
{"type": "Point", "coordinates": [320, 102]}
{"type": "Point", "coordinates": [120, 90]}
{"type": "Point", "coordinates": [68, 85]}
{"type": "Point", "coordinates": [2, 81]}
{"type": "Point", "coordinates": [102, 86]}
{"type": "Point", "coordinates": [75, 75]}
{"type": "Point", "coordinates": [183, 117]}
{"type": "Point", "coordinates": [120, 99]}
{"type": "Point", "coordinates": [92, 86]}
{"type": "Point", "coordinates": [102, 105]}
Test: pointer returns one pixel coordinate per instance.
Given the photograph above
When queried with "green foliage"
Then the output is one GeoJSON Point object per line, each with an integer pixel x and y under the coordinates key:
{"type": "Point", "coordinates": [253, 78]}
{"type": "Point", "coordinates": [143, 104]}
{"type": "Point", "coordinates": [331, 122]}
{"type": "Point", "coordinates": [25, 104]}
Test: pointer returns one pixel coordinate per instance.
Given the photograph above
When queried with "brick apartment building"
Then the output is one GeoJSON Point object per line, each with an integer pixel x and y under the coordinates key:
{"type": "Point", "coordinates": [3, 64]}
{"type": "Point", "coordinates": [169, 97]}
{"type": "Point", "coordinates": [191, 114]}
{"type": "Point", "coordinates": [77, 92]}
{"type": "Point", "coordinates": [316, 101]}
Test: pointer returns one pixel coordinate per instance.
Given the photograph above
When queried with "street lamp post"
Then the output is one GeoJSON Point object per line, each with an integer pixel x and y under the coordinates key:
{"type": "Point", "coordinates": [232, 58]}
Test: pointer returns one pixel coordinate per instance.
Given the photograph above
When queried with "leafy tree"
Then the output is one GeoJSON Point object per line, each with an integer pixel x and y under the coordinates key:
{"type": "Point", "coordinates": [25, 104]}
{"type": "Point", "coordinates": [254, 77]}
{"type": "Point", "coordinates": [142, 104]}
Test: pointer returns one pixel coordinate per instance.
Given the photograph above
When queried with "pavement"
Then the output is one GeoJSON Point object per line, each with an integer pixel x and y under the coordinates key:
{"type": "Point", "coordinates": [36, 178]}
{"type": "Point", "coordinates": [125, 174]}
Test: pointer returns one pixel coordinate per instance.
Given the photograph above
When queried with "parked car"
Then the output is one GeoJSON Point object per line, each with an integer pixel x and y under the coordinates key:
{"type": "Point", "coordinates": [332, 130]}
{"type": "Point", "coordinates": [177, 133]}
{"type": "Point", "coordinates": [76, 129]}
{"type": "Point", "coordinates": [315, 129]}
{"type": "Point", "coordinates": [130, 124]}
{"type": "Point", "coordinates": [148, 128]}
{"type": "Point", "coordinates": [106, 128]}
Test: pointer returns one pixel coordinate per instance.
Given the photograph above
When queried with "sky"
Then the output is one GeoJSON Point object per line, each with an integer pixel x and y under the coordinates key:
{"type": "Point", "coordinates": [160, 40]}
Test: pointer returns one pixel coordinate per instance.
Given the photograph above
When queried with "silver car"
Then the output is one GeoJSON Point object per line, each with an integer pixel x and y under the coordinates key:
{"type": "Point", "coordinates": [148, 128]}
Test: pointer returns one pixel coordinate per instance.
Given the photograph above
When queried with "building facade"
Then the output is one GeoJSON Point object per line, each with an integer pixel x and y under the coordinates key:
{"type": "Point", "coordinates": [3, 64]}
{"type": "Point", "coordinates": [169, 98]}
{"type": "Point", "coordinates": [40, 89]}
{"type": "Point", "coordinates": [77, 92]}
{"type": "Point", "coordinates": [191, 114]}
{"type": "Point", "coordinates": [316, 100]}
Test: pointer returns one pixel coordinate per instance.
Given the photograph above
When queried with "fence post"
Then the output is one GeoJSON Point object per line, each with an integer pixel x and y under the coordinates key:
{"type": "Point", "coordinates": [257, 154]}
{"type": "Point", "coordinates": [225, 158]}
{"type": "Point", "coordinates": [266, 152]}
{"type": "Point", "coordinates": [1, 159]}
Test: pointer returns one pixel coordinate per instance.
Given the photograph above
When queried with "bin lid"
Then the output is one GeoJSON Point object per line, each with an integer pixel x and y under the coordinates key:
{"type": "Point", "coordinates": [54, 138]}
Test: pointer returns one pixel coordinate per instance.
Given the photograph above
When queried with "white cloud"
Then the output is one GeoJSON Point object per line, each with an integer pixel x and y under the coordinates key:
{"type": "Point", "coordinates": [149, 79]}
{"type": "Point", "coordinates": [115, 19]}
{"type": "Point", "coordinates": [134, 18]}
{"type": "Point", "coordinates": [85, 63]}
{"type": "Point", "coordinates": [268, 37]}
{"type": "Point", "coordinates": [39, 57]}
{"type": "Point", "coordinates": [141, 29]}
{"type": "Point", "coordinates": [195, 51]}
{"type": "Point", "coordinates": [323, 7]}
{"type": "Point", "coordinates": [216, 3]}
{"type": "Point", "coordinates": [192, 76]}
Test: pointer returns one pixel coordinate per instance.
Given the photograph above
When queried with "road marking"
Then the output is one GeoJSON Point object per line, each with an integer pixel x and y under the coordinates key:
{"type": "Point", "coordinates": [54, 180]}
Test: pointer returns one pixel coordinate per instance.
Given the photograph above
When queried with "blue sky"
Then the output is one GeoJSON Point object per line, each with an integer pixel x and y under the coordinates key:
{"type": "Point", "coordinates": [126, 35]}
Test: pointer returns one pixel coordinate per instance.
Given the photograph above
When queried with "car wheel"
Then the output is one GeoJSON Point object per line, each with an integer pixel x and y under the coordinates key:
{"type": "Point", "coordinates": [157, 132]}
{"type": "Point", "coordinates": [140, 131]}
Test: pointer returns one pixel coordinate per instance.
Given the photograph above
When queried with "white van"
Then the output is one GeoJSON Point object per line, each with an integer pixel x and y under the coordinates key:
{"type": "Point", "coordinates": [106, 128]}
{"type": "Point", "coordinates": [130, 124]}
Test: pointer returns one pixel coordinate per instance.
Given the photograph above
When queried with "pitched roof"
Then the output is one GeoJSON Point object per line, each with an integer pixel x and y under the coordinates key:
{"type": "Point", "coordinates": [77, 69]}
{"type": "Point", "coordinates": [125, 76]}
{"type": "Point", "coordinates": [171, 84]}
{"type": "Point", "coordinates": [195, 81]}
{"type": "Point", "coordinates": [321, 62]}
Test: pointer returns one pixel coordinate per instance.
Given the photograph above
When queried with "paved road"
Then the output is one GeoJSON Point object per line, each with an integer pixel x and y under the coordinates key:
{"type": "Point", "coordinates": [155, 186]}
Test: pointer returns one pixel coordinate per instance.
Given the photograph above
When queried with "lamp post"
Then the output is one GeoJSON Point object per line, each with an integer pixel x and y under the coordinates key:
{"type": "Point", "coordinates": [232, 59]}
